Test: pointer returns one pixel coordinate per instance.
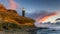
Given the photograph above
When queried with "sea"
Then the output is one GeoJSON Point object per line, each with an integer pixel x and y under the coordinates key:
{"type": "Point", "coordinates": [47, 29]}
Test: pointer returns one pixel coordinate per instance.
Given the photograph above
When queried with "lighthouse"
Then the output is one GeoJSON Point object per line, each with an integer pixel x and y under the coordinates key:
{"type": "Point", "coordinates": [23, 11]}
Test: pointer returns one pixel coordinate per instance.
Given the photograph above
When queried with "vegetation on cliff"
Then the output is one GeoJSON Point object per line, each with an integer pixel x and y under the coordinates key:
{"type": "Point", "coordinates": [10, 19]}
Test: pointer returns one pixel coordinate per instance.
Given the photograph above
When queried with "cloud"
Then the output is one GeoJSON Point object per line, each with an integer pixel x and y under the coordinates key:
{"type": "Point", "coordinates": [57, 19]}
{"type": "Point", "coordinates": [45, 18]}
{"type": "Point", "coordinates": [12, 5]}
{"type": "Point", "coordinates": [36, 14]}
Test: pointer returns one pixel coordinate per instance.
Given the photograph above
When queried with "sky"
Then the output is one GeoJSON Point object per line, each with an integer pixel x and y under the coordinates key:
{"type": "Point", "coordinates": [35, 8]}
{"type": "Point", "coordinates": [33, 5]}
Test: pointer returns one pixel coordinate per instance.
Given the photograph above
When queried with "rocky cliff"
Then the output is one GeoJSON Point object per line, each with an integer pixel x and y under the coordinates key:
{"type": "Point", "coordinates": [9, 16]}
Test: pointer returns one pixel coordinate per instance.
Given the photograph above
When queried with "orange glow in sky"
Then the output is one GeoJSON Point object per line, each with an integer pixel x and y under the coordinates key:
{"type": "Point", "coordinates": [45, 18]}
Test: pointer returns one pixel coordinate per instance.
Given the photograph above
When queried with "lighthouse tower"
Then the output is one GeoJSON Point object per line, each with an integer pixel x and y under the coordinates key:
{"type": "Point", "coordinates": [23, 12]}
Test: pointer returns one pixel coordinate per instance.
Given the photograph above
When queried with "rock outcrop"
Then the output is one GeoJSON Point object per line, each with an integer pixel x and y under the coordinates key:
{"type": "Point", "coordinates": [11, 16]}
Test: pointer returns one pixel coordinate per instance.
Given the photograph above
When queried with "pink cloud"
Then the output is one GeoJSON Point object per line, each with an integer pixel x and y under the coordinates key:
{"type": "Point", "coordinates": [13, 5]}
